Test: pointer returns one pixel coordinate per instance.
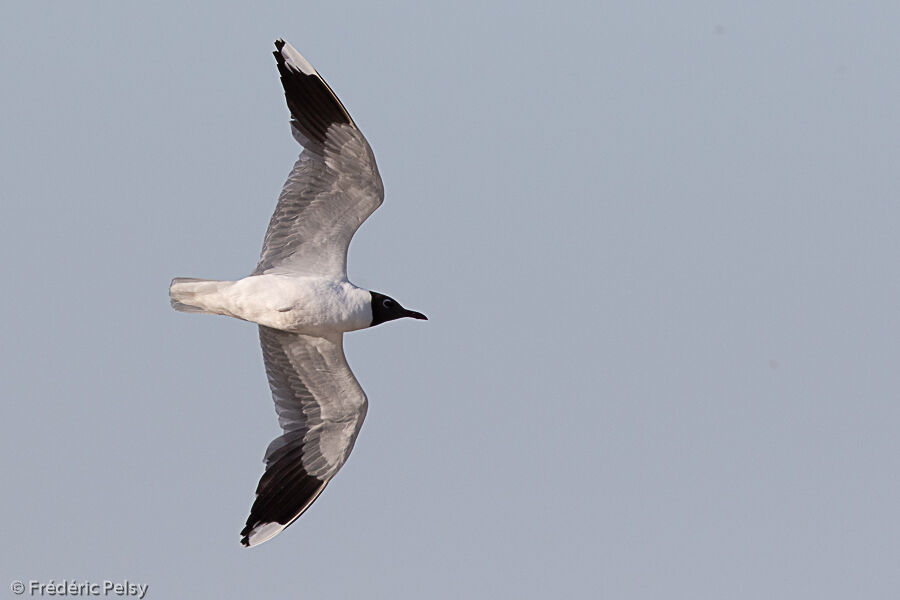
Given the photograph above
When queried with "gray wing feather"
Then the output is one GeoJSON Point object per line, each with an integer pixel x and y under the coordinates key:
{"type": "Point", "coordinates": [318, 400]}
{"type": "Point", "coordinates": [321, 408]}
{"type": "Point", "coordinates": [324, 201]}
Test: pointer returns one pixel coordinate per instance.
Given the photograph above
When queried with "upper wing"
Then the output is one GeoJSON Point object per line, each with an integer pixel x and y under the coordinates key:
{"type": "Point", "coordinates": [333, 187]}
{"type": "Point", "coordinates": [321, 408]}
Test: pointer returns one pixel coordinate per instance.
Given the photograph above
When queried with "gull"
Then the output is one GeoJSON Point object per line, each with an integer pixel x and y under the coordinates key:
{"type": "Point", "coordinates": [300, 297]}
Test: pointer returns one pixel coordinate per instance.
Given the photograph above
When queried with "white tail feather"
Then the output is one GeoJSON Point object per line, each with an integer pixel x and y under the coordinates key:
{"type": "Point", "coordinates": [186, 293]}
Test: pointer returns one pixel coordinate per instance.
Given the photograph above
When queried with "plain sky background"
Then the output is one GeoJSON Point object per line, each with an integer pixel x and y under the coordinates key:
{"type": "Point", "coordinates": [657, 242]}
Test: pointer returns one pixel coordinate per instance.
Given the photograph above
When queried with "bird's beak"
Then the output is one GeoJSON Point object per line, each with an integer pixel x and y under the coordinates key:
{"type": "Point", "coordinates": [415, 315]}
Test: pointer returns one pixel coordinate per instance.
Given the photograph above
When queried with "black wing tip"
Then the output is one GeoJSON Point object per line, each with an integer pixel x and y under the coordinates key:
{"type": "Point", "coordinates": [284, 492]}
{"type": "Point", "coordinates": [279, 45]}
{"type": "Point", "coordinates": [248, 530]}
{"type": "Point", "coordinates": [314, 106]}
{"type": "Point", "coordinates": [279, 56]}
{"type": "Point", "coordinates": [245, 532]}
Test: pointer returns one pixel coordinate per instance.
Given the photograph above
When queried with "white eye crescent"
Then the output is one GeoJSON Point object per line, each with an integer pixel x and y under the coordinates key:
{"type": "Point", "coordinates": [387, 303]}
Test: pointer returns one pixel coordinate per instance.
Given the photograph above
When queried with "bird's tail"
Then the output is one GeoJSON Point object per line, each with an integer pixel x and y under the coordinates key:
{"type": "Point", "coordinates": [187, 293]}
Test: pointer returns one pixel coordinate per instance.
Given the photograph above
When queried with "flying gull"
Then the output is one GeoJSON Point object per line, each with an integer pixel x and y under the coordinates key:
{"type": "Point", "coordinates": [301, 299]}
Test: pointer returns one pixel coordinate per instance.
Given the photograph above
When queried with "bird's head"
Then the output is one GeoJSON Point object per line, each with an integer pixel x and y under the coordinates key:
{"type": "Point", "coordinates": [385, 308]}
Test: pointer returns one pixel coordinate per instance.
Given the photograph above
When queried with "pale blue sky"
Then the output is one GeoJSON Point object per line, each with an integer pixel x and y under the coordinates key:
{"type": "Point", "coordinates": [657, 243]}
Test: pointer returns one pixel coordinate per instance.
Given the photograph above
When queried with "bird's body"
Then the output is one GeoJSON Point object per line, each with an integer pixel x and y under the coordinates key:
{"type": "Point", "coordinates": [296, 303]}
{"type": "Point", "coordinates": [300, 297]}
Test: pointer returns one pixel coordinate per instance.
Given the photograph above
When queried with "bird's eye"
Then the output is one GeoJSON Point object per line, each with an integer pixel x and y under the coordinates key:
{"type": "Point", "coordinates": [388, 303]}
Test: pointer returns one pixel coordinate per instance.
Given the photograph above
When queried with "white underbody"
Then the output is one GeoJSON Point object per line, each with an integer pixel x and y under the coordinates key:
{"type": "Point", "coordinates": [296, 303]}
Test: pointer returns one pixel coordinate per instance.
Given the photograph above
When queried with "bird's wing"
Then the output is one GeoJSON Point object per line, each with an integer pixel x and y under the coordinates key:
{"type": "Point", "coordinates": [321, 408]}
{"type": "Point", "coordinates": [333, 187]}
